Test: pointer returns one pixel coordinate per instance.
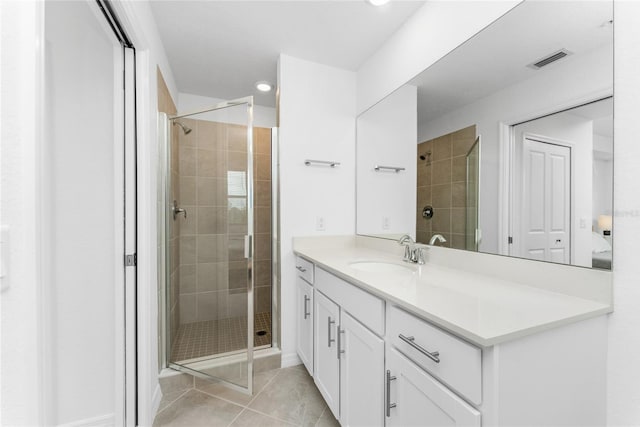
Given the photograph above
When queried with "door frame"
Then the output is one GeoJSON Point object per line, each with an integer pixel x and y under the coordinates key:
{"type": "Point", "coordinates": [516, 207]}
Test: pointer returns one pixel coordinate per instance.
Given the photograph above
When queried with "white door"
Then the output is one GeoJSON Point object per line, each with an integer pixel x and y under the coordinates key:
{"type": "Point", "coordinates": [304, 303]}
{"type": "Point", "coordinates": [89, 219]}
{"type": "Point", "coordinates": [361, 374]}
{"type": "Point", "coordinates": [325, 354]}
{"type": "Point", "coordinates": [420, 400]}
{"type": "Point", "coordinates": [546, 202]}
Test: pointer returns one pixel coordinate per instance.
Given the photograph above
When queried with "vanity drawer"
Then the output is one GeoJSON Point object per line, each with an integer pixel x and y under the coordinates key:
{"type": "Point", "coordinates": [305, 269]}
{"type": "Point", "coordinates": [460, 363]}
{"type": "Point", "coordinates": [366, 308]}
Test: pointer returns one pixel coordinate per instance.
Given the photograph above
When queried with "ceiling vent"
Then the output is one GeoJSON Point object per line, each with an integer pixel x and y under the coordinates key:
{"type": "Point", "coordinates": [562, 53]}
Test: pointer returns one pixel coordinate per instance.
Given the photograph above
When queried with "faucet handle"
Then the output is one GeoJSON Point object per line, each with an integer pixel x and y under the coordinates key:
{"type": "Point", "coordinates": [407, 253]}
{"type": "Point", "coordinates": [420, 254]}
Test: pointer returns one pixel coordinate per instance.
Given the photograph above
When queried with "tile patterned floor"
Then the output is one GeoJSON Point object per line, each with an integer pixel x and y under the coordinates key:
{"type": "Point", "coordinates": [283, 397]}
{"type": "Point", "coordinates": [212, 337]}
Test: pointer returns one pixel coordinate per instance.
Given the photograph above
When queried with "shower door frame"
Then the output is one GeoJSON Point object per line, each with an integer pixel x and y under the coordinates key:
{"type": "Point", "coordinates": [249, 246]}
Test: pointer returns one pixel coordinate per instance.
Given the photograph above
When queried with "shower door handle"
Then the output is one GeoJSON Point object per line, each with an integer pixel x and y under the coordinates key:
{"type": "Point", "coordinates": [248, 252]}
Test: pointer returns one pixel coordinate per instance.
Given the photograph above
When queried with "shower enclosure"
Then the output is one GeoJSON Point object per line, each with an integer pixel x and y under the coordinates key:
{"type": "Point", "coordinates": [218, 242]}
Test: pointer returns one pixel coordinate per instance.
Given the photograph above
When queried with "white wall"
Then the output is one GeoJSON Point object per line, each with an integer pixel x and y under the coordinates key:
{"type": "Point", "coordinates": [432, 32]}
{"type": "Point", "coordinates": [602, 189]}
{"type": "Point", "coordinates": [386, 135]}
{"type": "Point", "coordinates": [578, 132]}
{"type": "Point", "coordinates": [262, 116]}
{"type": "Point", "coordinates": [317, 121]}
{"type": "Point", "coordinates": [21, 368]}
{"type": "Point", "coordinates": [523, 101]}
{"type": "Point", "coordinates": [623, 388]}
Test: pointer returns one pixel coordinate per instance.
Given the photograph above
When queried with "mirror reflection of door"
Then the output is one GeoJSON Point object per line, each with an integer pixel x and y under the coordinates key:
{"type": "Point", "coordinates": [559, 186]}
{"type": "Point", "coordinates": [546, 201]}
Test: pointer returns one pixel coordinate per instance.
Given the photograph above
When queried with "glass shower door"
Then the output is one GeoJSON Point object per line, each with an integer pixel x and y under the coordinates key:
{"type": "Point", "coordinates": [210, 292]}
{"type": "Point", "coordinates": [472, 196]}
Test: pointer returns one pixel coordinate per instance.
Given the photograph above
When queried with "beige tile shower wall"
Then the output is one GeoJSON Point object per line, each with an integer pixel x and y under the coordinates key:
{"type": "Point", "coordinates": [441, 184]}
{"type": "Point", "coordinates": [213, 271]}
{"type": "Point", "coordinates": [166, 105]}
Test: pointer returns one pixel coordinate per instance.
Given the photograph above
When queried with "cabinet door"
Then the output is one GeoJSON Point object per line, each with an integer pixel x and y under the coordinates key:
{"type": "Point", "coordinates": [304, 322]}
{"type": "Point", "coordinates": [361, 374]}
{"type": "Point", "coordinates": [420, 400]}
{"type": "Point", "coordinates": [326, 363]}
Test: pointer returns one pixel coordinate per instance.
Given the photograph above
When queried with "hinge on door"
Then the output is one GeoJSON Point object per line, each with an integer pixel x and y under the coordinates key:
{"type": "Point", "coordinates": [510, 240]}
{"type": "Point", "coordinates": [131, 260]}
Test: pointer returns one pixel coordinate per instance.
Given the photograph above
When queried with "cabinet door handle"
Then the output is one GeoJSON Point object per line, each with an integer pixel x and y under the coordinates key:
{"type": "Point", "coordinates": [389, 404]}
{"type": "Point", "coordinates": [433, 355]}
{"type": "Point", "coordinates": [306, 302]}
{"type": "Point", "coordinates": [340, 332]}
{"type": "Point", "coordinates": [329, 323]}
{"type": "Point", "coordinates": [301, 269]}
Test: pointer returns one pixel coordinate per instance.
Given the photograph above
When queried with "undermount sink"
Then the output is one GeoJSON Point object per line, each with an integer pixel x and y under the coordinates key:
{"type": "Point", "coordinates": [380, 267]}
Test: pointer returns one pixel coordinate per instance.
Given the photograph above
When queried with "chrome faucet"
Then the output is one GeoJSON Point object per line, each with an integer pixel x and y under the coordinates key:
{"type": "Point", "coordinates": [437, 237]}
{"type": "Point", "coordinates": [412, 252]}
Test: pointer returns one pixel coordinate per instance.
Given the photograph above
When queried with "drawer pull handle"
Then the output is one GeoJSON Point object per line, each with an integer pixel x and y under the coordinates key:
{"type": "Point", "coordinates": [306, 301]}
{"type": "Point", "coordinates": [389, 404]}
{"type": "Point", "coordinates": [338, 352]}
{"type": "Point", "coordinates": [301, 269]}
{"type": "Point", "coordinates": [433, 355]}
{"type": "Point", "coordinates": [329, 323]}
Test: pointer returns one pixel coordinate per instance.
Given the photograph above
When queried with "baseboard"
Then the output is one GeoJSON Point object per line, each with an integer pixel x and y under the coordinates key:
{"type": "Point", "coordinates": [100, 421]}
{"type": "Point", "coordinates": [290, 359]}
{"type": "Point", "coordinates": [155, 402]}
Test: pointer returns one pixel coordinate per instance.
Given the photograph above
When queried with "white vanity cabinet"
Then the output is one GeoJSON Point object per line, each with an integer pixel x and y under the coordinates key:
{"type": "Point", "coordinates": [326, 372]}
{"type": "Point", "coordinates": [361, 379]}
{"type": "Point", "coordinates": [415, 398]}
{"type": "Point", "coordinates": [348, 357]}
{"type": "Point", "coordinates": [378, 362]}
{"type": "Point", "coordinates": [304, 311]}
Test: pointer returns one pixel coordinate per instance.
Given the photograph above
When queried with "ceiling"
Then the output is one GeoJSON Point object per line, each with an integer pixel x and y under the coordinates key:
{"type": "Point", "coordinates": [221, 49]}
{"type": "Point", "coordinates": [498, 56]}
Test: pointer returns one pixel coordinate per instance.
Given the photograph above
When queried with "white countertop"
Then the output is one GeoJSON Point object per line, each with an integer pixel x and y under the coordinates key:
{"type": "Point", "coordinates": [482, 309]}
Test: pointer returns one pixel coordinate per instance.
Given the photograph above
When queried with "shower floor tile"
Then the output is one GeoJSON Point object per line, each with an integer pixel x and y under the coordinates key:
{"type": "Point", "coordinates": [200, 339]}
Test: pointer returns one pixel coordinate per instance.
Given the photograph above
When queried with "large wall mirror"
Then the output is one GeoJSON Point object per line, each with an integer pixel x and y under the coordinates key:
{"type": "Point", "coordinates": [503, 146]}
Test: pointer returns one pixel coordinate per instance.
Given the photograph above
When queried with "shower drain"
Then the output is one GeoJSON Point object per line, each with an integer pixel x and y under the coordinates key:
{"type": "Point", "coordinates": [261, 333]}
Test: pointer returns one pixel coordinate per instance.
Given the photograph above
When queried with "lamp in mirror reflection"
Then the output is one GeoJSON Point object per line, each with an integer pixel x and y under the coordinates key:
{"type": "Point", "coordinates": [605, 223]}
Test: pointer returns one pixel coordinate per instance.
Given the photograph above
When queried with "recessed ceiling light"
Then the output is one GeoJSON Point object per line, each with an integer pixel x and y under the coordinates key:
{"type": "Point", "coordinates": [263, 86]}
{"type": "Point", "coordinates": [378, 2]}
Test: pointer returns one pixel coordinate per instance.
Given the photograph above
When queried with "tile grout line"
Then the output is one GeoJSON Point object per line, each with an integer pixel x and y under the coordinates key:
{"type": "Point", "coordinates": [321, 415]}
{"type": "Point", "coordinates": [231, 401]}
{"type": "Point", "coordinates": [173, 401]}
{"type": "Point", "coordinates": [236, 417]}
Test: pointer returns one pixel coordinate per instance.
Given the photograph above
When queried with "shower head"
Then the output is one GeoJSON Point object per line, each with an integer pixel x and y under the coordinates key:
{"type": "Point", "coordinates": [186, 129]}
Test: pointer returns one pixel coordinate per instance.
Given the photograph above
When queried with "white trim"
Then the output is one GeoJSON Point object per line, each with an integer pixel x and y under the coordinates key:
{"type": "Point", "coordinates": [99, 421]}
{"type": "Point", "coordinates": [146, 99]}
{"type": "Point", "coordinates": [118, 228]}
{"type": "Point", "coordinates": [156, 399]}
{"type": "Point", "coordinates": [290, 359]}
{"type": "Point", "coordinates": [504, 187]}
